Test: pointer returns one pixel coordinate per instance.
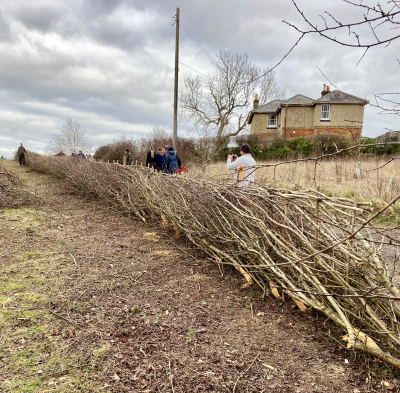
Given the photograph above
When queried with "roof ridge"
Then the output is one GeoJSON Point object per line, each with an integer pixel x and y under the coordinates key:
{"type": "Point", "coordinates": [301, 95]}
{"type": "Point", "coordinates": [347, 94]}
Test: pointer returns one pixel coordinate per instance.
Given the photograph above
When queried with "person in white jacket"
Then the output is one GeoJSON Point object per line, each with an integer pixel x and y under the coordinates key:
{"type": "Point", "coordinates": [248, 161]}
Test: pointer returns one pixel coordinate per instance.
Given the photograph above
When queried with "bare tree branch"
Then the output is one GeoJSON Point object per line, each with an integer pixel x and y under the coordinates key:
{"type": "Point", "coordinates": [390, 16]}
{"type": "Point", "coordinates": [70, 138]}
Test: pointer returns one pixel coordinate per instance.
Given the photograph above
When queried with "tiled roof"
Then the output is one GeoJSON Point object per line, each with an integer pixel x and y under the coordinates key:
{"type": "Point", "coordinates": [298, 99]}
{"type": "Point", "coordinates": [340, 97]}
{"type": "Point", "coordinates": [270, 107]}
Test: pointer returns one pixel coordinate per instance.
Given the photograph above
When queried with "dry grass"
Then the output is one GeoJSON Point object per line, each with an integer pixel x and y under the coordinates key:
{"type": "Point", "coordinates": [334, 177]}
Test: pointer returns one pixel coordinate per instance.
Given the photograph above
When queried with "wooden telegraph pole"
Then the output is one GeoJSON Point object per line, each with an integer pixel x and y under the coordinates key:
{"type": "Point", "coordinates": [175, 130]}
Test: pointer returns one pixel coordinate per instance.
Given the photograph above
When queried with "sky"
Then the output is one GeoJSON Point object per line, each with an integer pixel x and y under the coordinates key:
{"type": "Point", "coordinates": [109, 65]}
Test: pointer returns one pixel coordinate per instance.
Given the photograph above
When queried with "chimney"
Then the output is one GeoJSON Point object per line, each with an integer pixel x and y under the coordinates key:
{"type": "Point", "coordinates": [325, 90]}
{"type": "Point", "coordinates": [255, 103]}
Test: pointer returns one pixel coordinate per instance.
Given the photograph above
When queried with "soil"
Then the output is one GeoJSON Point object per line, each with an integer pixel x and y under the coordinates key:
{"type": "Point", "coordinates": [106, 303]}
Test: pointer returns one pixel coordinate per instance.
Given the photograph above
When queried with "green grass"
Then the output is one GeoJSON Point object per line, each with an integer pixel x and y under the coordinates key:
{"type": "Point", "coordinates": [27, 214]}
{"type": "Point", "coordinates": [32, 355]}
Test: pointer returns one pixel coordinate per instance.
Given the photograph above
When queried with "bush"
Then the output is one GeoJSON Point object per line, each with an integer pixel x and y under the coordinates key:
{"type": "Point", "coordinates": [381, 150]}
{"type": "Point", "coordinates": [330, 143]}
{"type": "Point", "coordinates": [278, 148]}
{"type": "Point", "coordinates": [116, 150]}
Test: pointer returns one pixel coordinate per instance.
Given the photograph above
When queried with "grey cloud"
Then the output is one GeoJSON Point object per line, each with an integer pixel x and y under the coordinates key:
{"type": "Point", "coordinates": [4, 28]}
{"type": "Point", "coordinates": [40, 15]}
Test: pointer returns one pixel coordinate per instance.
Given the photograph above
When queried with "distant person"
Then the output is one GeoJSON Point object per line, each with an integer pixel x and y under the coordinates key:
{"type": "Point", "coordinates": [21, 154]}
{"type": "Point", "coordinates": [160, 157]}
{"type": "Point", "coordinates": [151, 160]}
{"type": "Point", "coordinates": [81, 155]}
{"type": "Point", "coordinates": [245, 159]}
{"type": "Point", "coordinates": [172, 161]}
{"type": "Point", "coordinates": [60, 154]}
{"type": "Point", "coordinates": [128, 157]}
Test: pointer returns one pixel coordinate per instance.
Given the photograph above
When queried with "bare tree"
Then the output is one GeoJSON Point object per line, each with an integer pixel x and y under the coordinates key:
{"type": "Point", "coordinates": [160, 135]}
{"type": "Point", "coordinates": [70, 138]}
{"type": "Point", "coordinates": [218, 105]}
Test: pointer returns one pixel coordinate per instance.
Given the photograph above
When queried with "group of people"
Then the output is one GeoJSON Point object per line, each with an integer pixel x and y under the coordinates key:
{"type": "Point", "coordinates": [165, 160]}
{"type": "Point", "coordinates": [22, 152]}
{"type": "Point", "coordinates": [79, 155]}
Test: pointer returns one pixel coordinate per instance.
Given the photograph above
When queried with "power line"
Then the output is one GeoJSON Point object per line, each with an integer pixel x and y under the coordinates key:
{"type": "Point", "coordinates": [192, 69]}
{"type": "Point", "coordinates": [197, 42]}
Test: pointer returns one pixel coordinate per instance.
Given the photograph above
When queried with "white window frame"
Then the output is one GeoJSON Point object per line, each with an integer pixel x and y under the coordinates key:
{"type": "Point", "coordinates": [325, 112]}
{"type": "Point", "coordinates": [272, 120]}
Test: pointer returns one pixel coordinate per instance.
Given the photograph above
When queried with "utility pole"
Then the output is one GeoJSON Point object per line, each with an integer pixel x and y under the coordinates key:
{"type": "Point", "coordinates": [175, 130]}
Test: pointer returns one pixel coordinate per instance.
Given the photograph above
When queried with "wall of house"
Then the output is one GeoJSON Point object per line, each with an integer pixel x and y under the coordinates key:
{"type": "Point", "coordinates": [259, 125]}
{"type": "Point", "coordinates": [280, 118]}
{"type": "Point", "coordinates": [300, 116]}
{"type": "Point", "coordinates": [339, 113]}
{"type": "Point", "coordinates": [296, 132]}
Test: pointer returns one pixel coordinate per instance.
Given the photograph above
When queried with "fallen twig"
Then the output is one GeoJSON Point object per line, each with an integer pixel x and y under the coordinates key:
{"type": "Point", "coordinates": [244, 372]}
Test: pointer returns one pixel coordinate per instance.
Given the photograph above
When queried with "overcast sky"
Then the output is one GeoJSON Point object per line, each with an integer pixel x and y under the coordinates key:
{"type": "Point", "coordinates": [109, 64]}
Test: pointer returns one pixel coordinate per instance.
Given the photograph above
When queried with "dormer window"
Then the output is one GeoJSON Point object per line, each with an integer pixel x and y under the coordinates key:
{"type": "Point", "coordinates": [272, 120]}
{"type": "Point", "coordinates": [325, 111]}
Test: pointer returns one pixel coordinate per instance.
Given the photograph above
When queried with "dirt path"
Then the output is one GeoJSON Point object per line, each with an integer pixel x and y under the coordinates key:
{"type": "Point", "coordinates": [91, 301]}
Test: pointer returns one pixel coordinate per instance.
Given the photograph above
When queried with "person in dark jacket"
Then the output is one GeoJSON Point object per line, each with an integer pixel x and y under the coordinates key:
{"type": "Point", "coordinates": [160, 156]}
{"type": "Point", "coordinates": [172, 160]}
{"type": "Point", "coordinates": [60, 154]}
{"type": "Point", "coordinates": [128, 157]}
{"type": "Point", "coordinates": [151, 160]}
{"type": "Point", "coordinates": [21, 154]}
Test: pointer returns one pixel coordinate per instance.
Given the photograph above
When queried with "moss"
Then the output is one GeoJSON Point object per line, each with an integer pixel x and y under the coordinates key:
{"type": "Point", "coordinates": [22, 255]}
{"type": "Point", "coordinates": [102, 350]}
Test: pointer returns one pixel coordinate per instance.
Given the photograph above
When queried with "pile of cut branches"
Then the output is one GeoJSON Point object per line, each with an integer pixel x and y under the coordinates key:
{"type": "Point", "coordinates": [11, 192]}
{"type": "Point", "coordinates": [322, 252]}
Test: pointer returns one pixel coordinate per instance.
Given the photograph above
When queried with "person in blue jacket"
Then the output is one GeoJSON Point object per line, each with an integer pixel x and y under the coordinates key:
{"type": "Point", "coordinates": [81, 155]}
{"type": "Point", "coordinates": [172, 160]}
{"type": "Point", "coordinates": [160, 160]}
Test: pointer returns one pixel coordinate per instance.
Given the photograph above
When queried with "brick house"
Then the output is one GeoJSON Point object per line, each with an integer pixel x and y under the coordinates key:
{"type": "Point", "coordinates": [333, 113]}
